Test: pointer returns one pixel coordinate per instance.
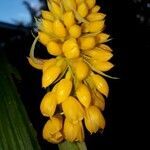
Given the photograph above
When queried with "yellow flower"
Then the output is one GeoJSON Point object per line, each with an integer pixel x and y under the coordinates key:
{"type": "Point", "coordinates": [52, 130]}
{"type": "Point", "coordinates": [69, 19]}
{"type": "Point", "coordinates": [95, 16]}
{"type": "Point", "coordinates": [47, 15]}
{"type": "Point", "coordinates": [59, 29]}
{"type": "Point", "coordinates": [54, 48]}
{"type": "Point", "coordinates": [50, 75]}
{"type": "Point", "coordinates": [70, 48]}
{"type": "Point", "coordinates": [82, 9]}
{"type": "Point", "coordinates": [87, 43]}
{"type": "Point", "coordinates": [78, 66]}
{"type": "Point", "coordinates": [44, 38]}
{"type": "Point", "coordinates": [94, 119]}
{"type": "Point", "coordinates": [73, 109]}
{"type": "Point", "coordinates": [49, 63]}
{"type": "Point", "coordinates": [83, 94]}
{"type": "Point", "coordinates": [72, 33]}
{"type": "Point", "coordinates": [48, 104]}
{"type": "Point", "coordinates": [73, 132]}
{"type": "Point", "coordinates": [63, 90]}
{"type": "Point", "coordinates": [98, 100]}
{"type": "Point", "coordinates": [75, 31]}
{"type": "Point", "coordinates": [101, 84]}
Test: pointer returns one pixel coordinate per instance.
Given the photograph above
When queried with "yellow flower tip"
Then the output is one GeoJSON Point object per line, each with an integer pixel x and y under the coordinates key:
{"type": "Point", "coordinates": [94, 119]}
{"type": "Point", "coordinates": [75, 31]}
{"type": "Point", "coordinates": [78, 66]}
{"type": "Point", "coordinates": [73, 110]}
{"type": "Point", "coordinates": [99, 54]}
{"type": "Point", "coordinates": [102, 37]}
{"type": "Point", "coordinates": [70, 48]}
{"type": "Point", "coordinates": [46, 26]}
{"type": "Point", "coordinates": [69, 5]}
{"type": "Point", "coordinates": [50, 75]}
{"type": "Point", "coordinates": [87, 43]}
{"type": "Point", "coordinates": [98, 100]}
{"type": "Point", "coordinates": [90, 3]}
{"type": "Point", "coordinates": [101, 84]}
{"type": "Point", "coordinates": [95, 16]}
{"type": "Point", "coordinates": [47, 15]}
{"type": "Point", "coordinates": [54, 48]}
{"type": "Point", "coordinates": [56, 9]}
{"type": "Point", "coordinates": [73, 132]}
{"type": "Point", "coordinates": [105, 47]}
{"type": "Point", "coordinates": [59, 29]}
{"type": "Point", "coordinates": [83, 95]}
{"type": "Point", "coordinates": [48, 104]}
{"type": "Point", "coordinates": [34, 64]}
{"type": "Point", "coordinates": [80, 136]}
{"type": "Point", "coordinates": [49, 63]}
{"type": "Point", "coordinates": [63, 90]}
{"type": "Point", "coordinates": [44, 38]}
{"type": "Point", "coordinates": [82, 9]}
{"type": "Point", "coordinates": [69, 19]}
{"type": "Point", "coordinates": [95, 9]}
{"type": "Point", "coordinates": [52, 130]}
{"type": "Point", "coordinates": [102, 66]}
{"type": "Point", "coordinates": [79, 2]}
{"type": "Point", "coordinates": [96, 26]}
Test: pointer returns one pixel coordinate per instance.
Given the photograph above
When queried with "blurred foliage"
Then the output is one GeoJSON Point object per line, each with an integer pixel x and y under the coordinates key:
{"type": "Point", "coordinates": [16, 130]}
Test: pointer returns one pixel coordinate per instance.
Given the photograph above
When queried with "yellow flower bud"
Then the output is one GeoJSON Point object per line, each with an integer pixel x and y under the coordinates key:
{"type": "Point", "coordinates": [43, 38]}
{"type": "Point", "coordinates": [69, 19]}
{"type": "Point", "coordinates": [54, 48]}
{"type": "Point", "coordinates": [79, 1]}
{"type": "Point", "coordinates": [75, 31]}
{"type": "Point", "coordinates": [96, 26]}
{"type": "Point", "coordinates": [59, 29]}
{"type": "Point", "coordinates": [49, 63]}
{"type": "Point", "coordinates": [102, 66]}
{"type": "Point", "coordinates": [94, 119]}
{"type": "Point", "coordinates": [64, 88]}
{"type": "Point", "coordinates": [87, 43]}
{"type": "Point", "coordinates": [57, 1]}
{"type": "Point", "coordinates": [83, 95]}
{"type": "Point", "coordinates": [98, 100]}
{"type": "Point", "coordinates": [56, 10]}
{"type": "Point", "coordinates": [81, 70]}
{"type": "Point", "coordinates": [50, 75]}
{"type": "Point", "coordinates": [85, 27]}
{"type": "Point", "coordinates": [52, 130]}
{"type": "Point", "coordinates": [47, 15]}
{"type": "Point", "coordinates": [82, 9]}
{"type": "Point", "coordinates": [105, 47]}
{"type": "Point", "coordinates": [101, 84]}
{"type": "Point", "coordinates": [35, 65]}
{"type": "Point", "coordinates": [95, 9]}
{"type": "Point", "coordinates": [48, 104]}
{"type": "Point", "coordinates": [70, 48]}
{"type": "Point", "coordinates": [90, 3]}
{"type": "Point", "coordinates": [69, 5]}
{"type": "Point", "coordinates": [72, 131]}
{"type": "Point", "coordinates": [99, 54]}
{"type": "Point", "coordinates": [95, 16]}
{"type": "Point", "coordinates": [102, 37]}
{"type": "Point", "coordinates": [80, 135]}
{"type": "Point", "coordinates": [46, 26]}
{"type": "Point", "coordinates": [73, 109]}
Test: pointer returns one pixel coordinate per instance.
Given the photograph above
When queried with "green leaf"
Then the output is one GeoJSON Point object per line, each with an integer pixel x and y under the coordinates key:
{"type": "Point", "coordinates": [72, 146]}
{"type": "Point", "coordinates": [16, 131]}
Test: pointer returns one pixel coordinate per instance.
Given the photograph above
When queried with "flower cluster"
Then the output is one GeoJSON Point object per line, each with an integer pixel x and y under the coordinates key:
{"type": "Point", "coordinates": [72, 32]}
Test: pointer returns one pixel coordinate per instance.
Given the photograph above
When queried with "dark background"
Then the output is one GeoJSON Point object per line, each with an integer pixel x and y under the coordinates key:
{"type": "Point", "coordinates": [128, 22]}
